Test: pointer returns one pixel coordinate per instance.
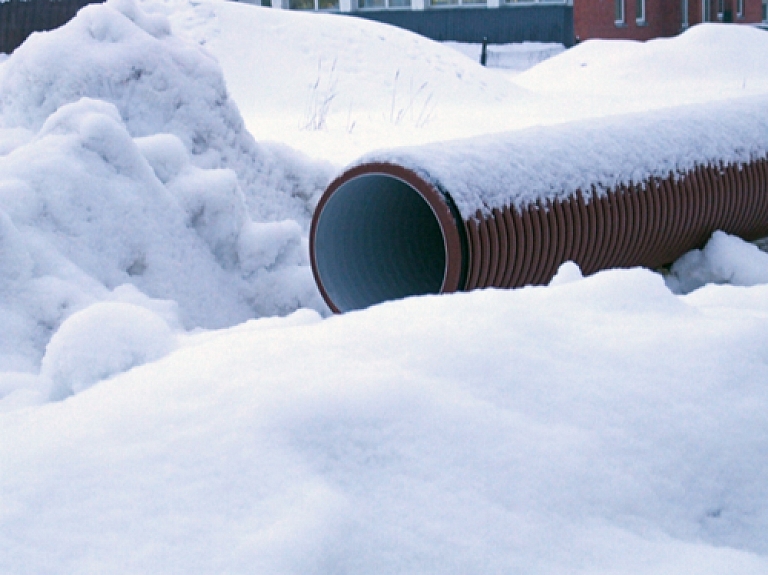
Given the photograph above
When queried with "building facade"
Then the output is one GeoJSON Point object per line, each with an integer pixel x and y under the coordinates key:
{"type": "Point", "coordinates": [19, 18]}
{"type": "Point", "coordinates": [646, 19]}
{"type": "Point", "coordinates": [498, 21]}
{"type": "Point", "coordinates": [366, 5]}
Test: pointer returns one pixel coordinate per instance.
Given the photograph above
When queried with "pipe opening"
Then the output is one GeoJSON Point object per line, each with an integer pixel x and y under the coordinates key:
{"type": "Point", "coordinates": [377, 239]}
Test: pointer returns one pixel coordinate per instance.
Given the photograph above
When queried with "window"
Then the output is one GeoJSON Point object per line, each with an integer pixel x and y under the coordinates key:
{"type": "Point", "coordinates": [313, 4]}
{"type": "Point", "coordinates": [705, 11]}
{"type": "Point", "coordinates": [619, 11]}
{"type": "Point", "coordinates": [740, 8]}
{"type": "Point", "coordinates": [528, 1]}
{"type": "Point", "coordinates": [684, 10]}
{"type": "Point", "coordinates": [720, 9]}
{"type": "Point", "coordinates": [765, 11]}
{"type": "Point", "coordinates": [362, 4]}
{"type": "Point", "coordinates": [456, 2]}
{"type": "Point", "coordinates": [640, 11]}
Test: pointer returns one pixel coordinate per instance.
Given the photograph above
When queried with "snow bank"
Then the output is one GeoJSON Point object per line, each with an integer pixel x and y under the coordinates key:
{"type": "Point", "coordinates": [385, 87]}
{"type": "Point", "coordinates": [598, 426]}
{"type": "Point", "coordinates": [705, 62]}
{"type": "Point", "coordinates": [159, 83]}
{"type": "Point", "coordinates": [354, 85]}
{"type": "Point", "coordinates": [124, 162]}
{"type": "Point", "coordinates": [553, 162]}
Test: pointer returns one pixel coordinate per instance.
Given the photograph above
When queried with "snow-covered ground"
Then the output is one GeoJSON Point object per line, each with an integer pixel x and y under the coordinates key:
{"type": "Point", "coordinates": [175, 399]}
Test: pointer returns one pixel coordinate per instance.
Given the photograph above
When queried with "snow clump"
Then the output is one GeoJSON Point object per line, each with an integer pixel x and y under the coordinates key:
{"type": "Point", "coordinates": [101, 341]}
{"type": "Point", "coordinates": [117, 53]}
{"type": "Point", "coordinates": [126, 168]}
{"type": "Point", "coordinates": [726, 259]}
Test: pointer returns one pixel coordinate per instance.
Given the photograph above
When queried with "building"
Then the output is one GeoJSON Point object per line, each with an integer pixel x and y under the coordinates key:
{"type": "Point", "coordinates": [500, 21]}
{"type": "Point", "coordinates": [646, 19]}
{"type": "Point", "coordinates": [19, 18]}
{"type": "Point", "coordinates": [564, 21]}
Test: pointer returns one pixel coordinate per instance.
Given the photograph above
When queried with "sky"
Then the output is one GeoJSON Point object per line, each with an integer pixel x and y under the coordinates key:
{"type": "Point", "coordinates": [176, 398]}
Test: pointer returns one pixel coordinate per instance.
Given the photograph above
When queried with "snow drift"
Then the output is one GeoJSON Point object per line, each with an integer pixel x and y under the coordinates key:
{"type": "Point", "coordinates": [159, 83]}
{"type": "Point", "coordinates": [622, 430]}
{"type": "Point", "coordinates": [597, 425]}
{"type": "Point", "coordinates": [705, 62]}
{"type": "Point", "coordinates": [124, 161]}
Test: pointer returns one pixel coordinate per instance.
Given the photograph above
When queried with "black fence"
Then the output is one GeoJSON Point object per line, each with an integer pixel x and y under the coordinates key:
{"type": "Point", "coordinates": [19, 18]}
{"type": "Point", "coordinates": [504, 25]}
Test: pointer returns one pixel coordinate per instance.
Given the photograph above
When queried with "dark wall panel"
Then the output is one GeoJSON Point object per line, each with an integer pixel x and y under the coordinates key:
{"type": "Point", "coordinates": [503, 25]}
{"type": "Point", "coordinates": [19, 18]}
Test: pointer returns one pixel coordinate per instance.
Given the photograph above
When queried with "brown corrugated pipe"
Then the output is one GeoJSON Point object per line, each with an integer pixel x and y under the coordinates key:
{"type": "Point", "coordinates": [382, 232]}
{"type": "Point", "coordinates": [507, 210]}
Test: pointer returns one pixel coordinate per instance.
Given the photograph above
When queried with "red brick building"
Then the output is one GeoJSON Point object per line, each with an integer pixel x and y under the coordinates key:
{"type": "Point", "coordinates": [646, 19]}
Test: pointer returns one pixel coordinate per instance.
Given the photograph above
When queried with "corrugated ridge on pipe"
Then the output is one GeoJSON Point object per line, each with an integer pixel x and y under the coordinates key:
{"type": "Point", "coordinates": [401, 223]}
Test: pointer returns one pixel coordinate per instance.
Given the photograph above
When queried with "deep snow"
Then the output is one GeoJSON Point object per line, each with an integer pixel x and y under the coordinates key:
{"type": "Point", "coordinates": [125, 161]}
{"type": "Point", "coordinates": [150, 209]}
{"type": "Point", "coordinates": [493, 432]}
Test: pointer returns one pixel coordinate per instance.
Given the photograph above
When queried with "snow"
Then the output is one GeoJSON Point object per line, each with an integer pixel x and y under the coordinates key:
{"type": "Point", "coordinates": [706, 63]}
{"type": "Point", "coordinates": [372, 442]}
{"type": "Point", "coordinates": [126, 162]}
{"type": "Point", "coordinates": [353, 84]}
{"type": "Point", "coordinates": [554, 162]}
{"type": "Point", "coordinates": [100, 341]}
{"type": "Point", "coordinates": [724, 260]}
{"type": "Point", "coordinates": [174, 397]}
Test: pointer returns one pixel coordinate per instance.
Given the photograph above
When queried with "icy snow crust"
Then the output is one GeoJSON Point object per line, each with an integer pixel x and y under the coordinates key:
{"type": "Point", "coordinates": [598, 425]}
{"type": "Point", "coordinates": [596, 155]}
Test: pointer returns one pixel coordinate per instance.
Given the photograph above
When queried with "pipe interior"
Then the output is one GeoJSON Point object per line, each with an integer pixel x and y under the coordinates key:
{"type": "Point", "coordinates": [377, 239]}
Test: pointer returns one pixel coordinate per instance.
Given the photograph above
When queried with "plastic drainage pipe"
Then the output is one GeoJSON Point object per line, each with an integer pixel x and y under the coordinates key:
{"type": "Point", "coordinates": [403, 223]}
{"type": "Point", "coordinates": [381, 232]}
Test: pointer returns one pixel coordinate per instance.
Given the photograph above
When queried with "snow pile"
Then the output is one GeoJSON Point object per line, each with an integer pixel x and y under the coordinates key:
{"type": "Point", "coordinates": [553, 162]}
{"type": "Point", "coordinates": [125, 162]}
{"type": "Point", "coordinates": [100, 341]}
{"type": "Point", "coordinates": [598, 426]}
{"type": "Point", "coordinates": [724, 260]}
{"type": "Point", "coordinates": [160, 84]}
{"type": "Point", "coordinates": [356, 86]}
{"type": "Point", "coordinates": [706, 62]}
{"type": "Point", "coordinates": [353, 84]}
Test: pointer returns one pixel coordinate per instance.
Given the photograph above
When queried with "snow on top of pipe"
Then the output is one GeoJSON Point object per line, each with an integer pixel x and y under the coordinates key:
{"type": "Point", "coordinates": [551, 162]}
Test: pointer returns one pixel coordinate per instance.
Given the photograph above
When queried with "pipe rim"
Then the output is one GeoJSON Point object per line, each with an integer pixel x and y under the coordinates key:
{"type": "Point", "coordinates": [447, 219]}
